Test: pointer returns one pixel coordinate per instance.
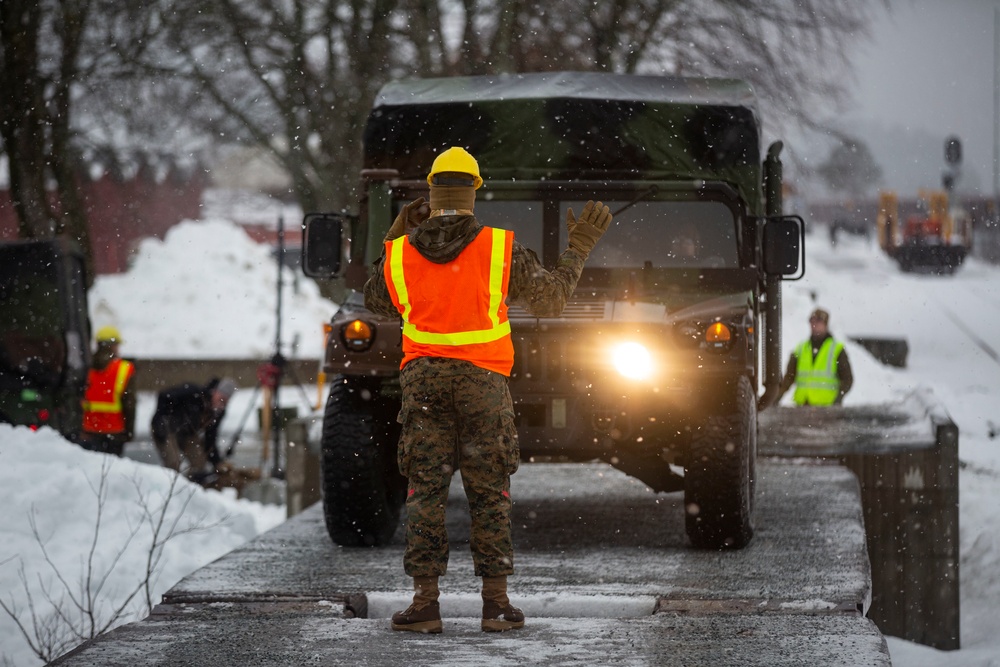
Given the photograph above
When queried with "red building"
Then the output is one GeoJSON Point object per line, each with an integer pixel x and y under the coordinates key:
{"type": "Point", "coordinates": [123, 210]}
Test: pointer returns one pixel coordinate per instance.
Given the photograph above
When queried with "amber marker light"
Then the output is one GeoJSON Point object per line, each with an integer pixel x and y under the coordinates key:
{"type": "Point", "coordinates": [718, 334]}
{"type": "Point", "coordinates": [357, 335]}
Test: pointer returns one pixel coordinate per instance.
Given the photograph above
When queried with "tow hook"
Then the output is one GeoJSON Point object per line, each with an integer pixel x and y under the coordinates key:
{"type": "Point", "coordinates": [604, 422]}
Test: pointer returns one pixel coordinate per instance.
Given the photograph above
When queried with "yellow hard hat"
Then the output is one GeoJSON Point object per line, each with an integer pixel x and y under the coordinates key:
{"type": "Point", "coordinates": [455, 160]}
{"type": "Point", "coordinates": [108, 334]}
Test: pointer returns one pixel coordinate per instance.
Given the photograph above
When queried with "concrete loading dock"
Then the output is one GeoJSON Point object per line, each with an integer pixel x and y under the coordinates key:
{"type": "Point", "coordinates": [905, 455]}
{"type": "Point", "coordinates": [588, 539]}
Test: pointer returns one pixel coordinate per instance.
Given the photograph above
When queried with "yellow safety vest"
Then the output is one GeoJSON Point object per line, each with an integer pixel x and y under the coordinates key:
{"type": "Point", "coordinates": [816, 381]}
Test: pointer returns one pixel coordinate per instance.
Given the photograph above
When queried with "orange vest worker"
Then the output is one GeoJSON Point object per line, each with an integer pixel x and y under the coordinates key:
{"type": "Point", "coordinates": [458, 309]}
{"type": "Point", "coordinates": [102, 402]}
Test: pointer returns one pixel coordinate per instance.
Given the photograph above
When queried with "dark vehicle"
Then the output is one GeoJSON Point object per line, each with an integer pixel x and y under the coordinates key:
{"type": "Point", "coordinates": [655, 364]}
{"type": "Point", "coordinates": [44, 334]}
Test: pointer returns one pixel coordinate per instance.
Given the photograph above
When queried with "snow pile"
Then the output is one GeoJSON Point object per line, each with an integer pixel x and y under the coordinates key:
{"type": "Point", "coordinates": [54, 504]}
{"type": "Point", "coordinates": [209, 291]}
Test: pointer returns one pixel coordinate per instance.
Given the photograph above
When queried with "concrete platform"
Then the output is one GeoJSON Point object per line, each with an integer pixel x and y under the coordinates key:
{"type": "Point", "coordinates": [604, 573]}
{"type": "Point", "coordinates": [905, 456]}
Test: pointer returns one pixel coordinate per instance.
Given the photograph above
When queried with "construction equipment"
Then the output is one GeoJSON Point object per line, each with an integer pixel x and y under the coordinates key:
{"type": "Point", "coordinates": [934, 239]}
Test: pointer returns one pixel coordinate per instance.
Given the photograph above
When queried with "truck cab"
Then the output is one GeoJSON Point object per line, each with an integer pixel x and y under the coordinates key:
{"type": "Point", "coordinates": [656, 364]}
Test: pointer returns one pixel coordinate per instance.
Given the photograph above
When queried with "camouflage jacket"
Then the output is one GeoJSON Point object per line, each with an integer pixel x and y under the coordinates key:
{"type": "Point", "coordinates": [541, 292]}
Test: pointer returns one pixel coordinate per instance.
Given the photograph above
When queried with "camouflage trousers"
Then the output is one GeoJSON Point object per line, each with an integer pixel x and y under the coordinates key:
{"type": "Point", "coordinates": [456, 416]}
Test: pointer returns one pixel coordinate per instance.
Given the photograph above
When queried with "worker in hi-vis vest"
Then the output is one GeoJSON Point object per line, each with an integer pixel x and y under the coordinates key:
{"type": "Point", "coordinates": [451, 280]}
{"type": "Point", "coordinates": [108, 401]}
{"type": "Point", "coordinates": [819, 367]}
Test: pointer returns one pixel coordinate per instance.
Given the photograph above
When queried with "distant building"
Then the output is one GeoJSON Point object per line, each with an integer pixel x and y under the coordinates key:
{"type": "Point", "coordinates": [126, 203]}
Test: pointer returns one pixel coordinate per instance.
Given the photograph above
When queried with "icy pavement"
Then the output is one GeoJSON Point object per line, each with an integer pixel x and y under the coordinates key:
{"type": "Point", "coordinates": [603, 569]}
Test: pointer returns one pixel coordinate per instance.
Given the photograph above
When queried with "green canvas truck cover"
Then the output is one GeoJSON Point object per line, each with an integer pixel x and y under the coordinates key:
{"type": "Point", "coordinates": [572, 126]}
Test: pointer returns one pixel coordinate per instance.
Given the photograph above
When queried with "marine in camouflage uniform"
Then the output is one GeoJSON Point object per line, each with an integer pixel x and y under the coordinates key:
{"type": "Point", "coordinates": [457, 415]}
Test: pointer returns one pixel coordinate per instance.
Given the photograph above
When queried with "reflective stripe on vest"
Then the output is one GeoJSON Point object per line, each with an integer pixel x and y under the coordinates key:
{"type": "Point", "coordinates": [102, 402]}
{"type": "Point", "coordinates": [478, 331]}
{"type": "Point", "coordinates": [816, 381]}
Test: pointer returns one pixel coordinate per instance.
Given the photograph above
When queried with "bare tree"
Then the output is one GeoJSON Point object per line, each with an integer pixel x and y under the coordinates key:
{"type": "Point", "coordinates": [794, 51]}
{"type": "Point", "coordinates": [298, 76]}
{"type": "Point", "coordinates": [23, 115]}
{"type": "Point", "coordinates": [40, 53]}
{"type": "Point", "coordinates": [850, 169]}
{"type": "Point", "coordinates": [79, 606]}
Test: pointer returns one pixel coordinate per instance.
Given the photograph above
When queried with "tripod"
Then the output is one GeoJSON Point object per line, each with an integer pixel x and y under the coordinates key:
{"type": "Point", "coordinates": [269, 377]}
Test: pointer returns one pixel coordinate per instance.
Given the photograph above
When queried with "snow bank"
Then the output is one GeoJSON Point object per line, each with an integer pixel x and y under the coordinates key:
{"type": "Point", "coordinates": [209, 291]}
{"type": "Point", "coordinates": [54, 504]}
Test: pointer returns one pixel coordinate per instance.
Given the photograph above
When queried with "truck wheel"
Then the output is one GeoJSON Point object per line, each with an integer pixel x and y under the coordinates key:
{"type": "Point", "coordinates": [362, 488]}
{"type": "Point", "coordinates": [719, 480]}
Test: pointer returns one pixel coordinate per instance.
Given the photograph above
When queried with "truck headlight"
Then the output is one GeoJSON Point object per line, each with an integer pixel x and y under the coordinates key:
{"type": "Point", "coordinates": [632, 360]}
{"type": "Point", "coordinates": [357, 335]}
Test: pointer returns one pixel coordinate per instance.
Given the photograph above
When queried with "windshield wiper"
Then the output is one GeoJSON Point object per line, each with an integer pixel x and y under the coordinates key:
{"type": "Point", "coordinates": [642, 195]}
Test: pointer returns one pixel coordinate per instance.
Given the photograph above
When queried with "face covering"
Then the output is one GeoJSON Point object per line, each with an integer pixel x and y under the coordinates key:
{"type": "Point", "coordinates": [452, 197]}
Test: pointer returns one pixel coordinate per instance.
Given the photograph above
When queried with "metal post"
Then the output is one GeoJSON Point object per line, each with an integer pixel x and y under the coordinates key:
{"type": "Point", "coordinates": [279, 360]}
{"type": "Point", "coordinates": [772, 291]}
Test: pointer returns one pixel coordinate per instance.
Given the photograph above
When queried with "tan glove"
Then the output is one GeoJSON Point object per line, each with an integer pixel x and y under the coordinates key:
{"type": "Point", "coordinates": [585, 231]}
{"type": "Point", "coordinates": [409, 217]}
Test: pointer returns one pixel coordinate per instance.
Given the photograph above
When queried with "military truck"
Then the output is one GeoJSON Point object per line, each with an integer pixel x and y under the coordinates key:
{"type": "Point", "coordinates": [656, 364]}
{"type": "Point", "coordinates": [44, 334]}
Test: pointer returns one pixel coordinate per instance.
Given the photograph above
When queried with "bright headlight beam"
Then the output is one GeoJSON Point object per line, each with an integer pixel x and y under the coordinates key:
{"type": "Point", "coordinates": [632, 360]}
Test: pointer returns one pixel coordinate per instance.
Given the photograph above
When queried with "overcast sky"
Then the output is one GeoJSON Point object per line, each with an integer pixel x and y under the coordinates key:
{"type": "Point", "coordinates": [929, 70]}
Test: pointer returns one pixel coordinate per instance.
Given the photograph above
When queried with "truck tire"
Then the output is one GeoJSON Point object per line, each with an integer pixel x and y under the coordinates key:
{"type": "Point", "coordinates": [362, 488]}
{"type": "Point", "coordinates": [719, 479]}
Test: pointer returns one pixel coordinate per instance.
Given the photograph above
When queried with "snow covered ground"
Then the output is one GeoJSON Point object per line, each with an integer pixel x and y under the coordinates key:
{"type": "Point", "coordinates": [952, 325]}
{"type": "Point", "coordinates": [206, 291]}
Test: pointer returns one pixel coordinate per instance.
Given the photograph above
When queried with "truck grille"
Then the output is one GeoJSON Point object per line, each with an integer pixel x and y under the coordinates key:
{"type": "Point", "coordinates": [543, 360]}
{"type": "Point", "coordinates": [552, 355]}
{"type": "Point", "coordinates": [576, 309]}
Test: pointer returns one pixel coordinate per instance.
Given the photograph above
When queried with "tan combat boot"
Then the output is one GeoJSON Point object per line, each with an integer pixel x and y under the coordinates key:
{"type": "Point", "coordinates": [498, 613]}
{"type": "Point", "coordinates": [424, 615]}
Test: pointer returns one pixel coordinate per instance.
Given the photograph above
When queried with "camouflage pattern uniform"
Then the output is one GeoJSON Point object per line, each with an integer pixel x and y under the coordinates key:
{"type": "Point", "coordinates": [457, 416]}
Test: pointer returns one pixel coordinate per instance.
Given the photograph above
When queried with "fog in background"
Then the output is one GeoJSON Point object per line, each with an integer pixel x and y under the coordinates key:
{"type": "Point", "coordinates": [925, 74]}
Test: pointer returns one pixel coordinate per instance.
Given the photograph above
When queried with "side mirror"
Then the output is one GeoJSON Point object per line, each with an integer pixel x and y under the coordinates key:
{"type": "Point", "coordinates": [321, 244]}
{"type": "Point", "coordinates": [784, 246]}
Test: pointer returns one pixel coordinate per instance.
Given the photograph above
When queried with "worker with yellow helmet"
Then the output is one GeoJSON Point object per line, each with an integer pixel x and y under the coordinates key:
{"type": "Point", "coordinates": [108, 401]}
{"type": "Point", "coordinates": [450, 279]}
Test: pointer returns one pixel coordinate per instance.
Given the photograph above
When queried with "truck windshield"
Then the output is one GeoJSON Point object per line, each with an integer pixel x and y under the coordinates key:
{"type": "Point", "coordinates": [659, 234]}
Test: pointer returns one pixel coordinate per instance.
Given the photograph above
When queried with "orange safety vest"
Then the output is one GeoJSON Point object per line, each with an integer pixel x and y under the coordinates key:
{"type": "Point", "coordinates": [102, 402]}
{"type": "Point", "coordinates": [456, 310]}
